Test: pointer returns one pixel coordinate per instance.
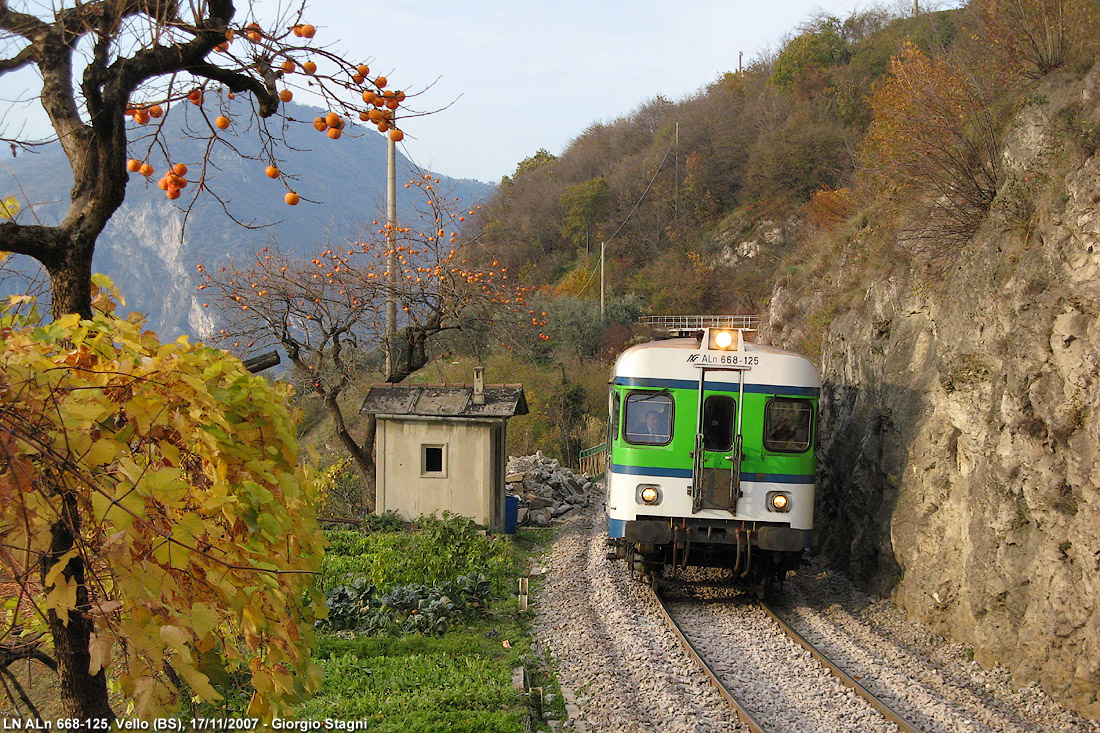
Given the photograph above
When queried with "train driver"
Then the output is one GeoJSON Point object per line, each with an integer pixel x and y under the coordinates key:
{"type": "Point", "coordinates": [653, 425]}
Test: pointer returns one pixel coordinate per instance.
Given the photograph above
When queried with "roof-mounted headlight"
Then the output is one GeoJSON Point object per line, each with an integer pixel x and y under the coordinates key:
{"type": "Point", "coordinates": [724, 339]}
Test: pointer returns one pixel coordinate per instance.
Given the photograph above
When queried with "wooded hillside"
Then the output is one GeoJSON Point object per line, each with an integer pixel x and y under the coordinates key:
{"type": "Point", "coordinates": [703, 202]}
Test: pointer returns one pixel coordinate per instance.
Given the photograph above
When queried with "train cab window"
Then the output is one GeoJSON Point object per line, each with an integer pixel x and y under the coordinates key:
{"type": "Point", "coordinates": [613, 423]}
{"type": "Point", "coordinates": [719, 422]}
{"type": "Point", "coordinates": [647, 418]}
{"type": "Point", "coordinates": [788, 425]}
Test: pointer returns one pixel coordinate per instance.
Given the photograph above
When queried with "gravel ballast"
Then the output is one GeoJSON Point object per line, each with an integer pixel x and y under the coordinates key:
{"type": "Point", "coordinates": [626, 671]}
{"type": "Point", "coordinates": [610, 646]}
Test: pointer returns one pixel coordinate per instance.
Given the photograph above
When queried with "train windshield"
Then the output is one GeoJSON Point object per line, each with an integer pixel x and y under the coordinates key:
{"type": "Point", "coordinates": [719, 422]}
{"type": "Point", "coordinates": [647, 418]}
{"type": "Point", "coordinates": [787, 424]}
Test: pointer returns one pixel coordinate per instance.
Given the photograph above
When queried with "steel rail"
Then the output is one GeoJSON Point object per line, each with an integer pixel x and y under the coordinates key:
{"type": "Point", "coordinates": [742, 712]}
{"type": "Point", "coordinates": [845, 679]}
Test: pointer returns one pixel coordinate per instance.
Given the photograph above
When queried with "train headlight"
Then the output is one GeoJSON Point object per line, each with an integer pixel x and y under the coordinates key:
{"type": "Point", "coordinates": [723, 339]}
{"type": "Point", "coordinates": [649, 495]}
{"type": "Point", "coordinates": [779, 501]}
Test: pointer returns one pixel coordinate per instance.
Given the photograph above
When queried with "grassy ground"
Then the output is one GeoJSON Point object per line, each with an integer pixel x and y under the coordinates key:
{"type": "Point", "coordinates": [457, 676]}
{"type": "Point", "coordinates": [461, 680]}
{"type": "Point", "coordinates": [458, 680]}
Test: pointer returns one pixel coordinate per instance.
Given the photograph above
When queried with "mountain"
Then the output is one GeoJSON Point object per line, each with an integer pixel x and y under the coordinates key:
{"type": "Point", "coordinates": [151, 246]}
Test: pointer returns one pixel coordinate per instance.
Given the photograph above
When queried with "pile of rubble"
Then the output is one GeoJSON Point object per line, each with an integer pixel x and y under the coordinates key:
{"type": "Point", "coordinates": [547, 490]}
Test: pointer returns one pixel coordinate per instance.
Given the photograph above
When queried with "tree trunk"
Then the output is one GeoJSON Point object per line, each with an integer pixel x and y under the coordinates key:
{"type": "Point", "coordinates": [414, 354]}
{"type": "Point", "coordinates": [71, 281]}
{"type": "Point", "coordinates": [83, 696]}
{"type": "Point", "coordinates": [363, 455]}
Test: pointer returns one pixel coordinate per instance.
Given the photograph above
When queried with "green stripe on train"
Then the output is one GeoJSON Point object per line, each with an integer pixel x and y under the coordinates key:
{"type": "Point", "coordinates": [677, 454]}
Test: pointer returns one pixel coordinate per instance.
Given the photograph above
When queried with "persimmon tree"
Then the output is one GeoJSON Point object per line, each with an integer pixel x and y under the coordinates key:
{"type": "Point", "coordinates": [327, 312]}
{"type": "Point", "coordinates": [113, 72]}
{"type": "Point", "coordinates": [154, 518]}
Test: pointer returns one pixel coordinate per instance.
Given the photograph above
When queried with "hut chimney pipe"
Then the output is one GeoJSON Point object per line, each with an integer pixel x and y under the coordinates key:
{"type": "Point", "coordinates": [479, 385]}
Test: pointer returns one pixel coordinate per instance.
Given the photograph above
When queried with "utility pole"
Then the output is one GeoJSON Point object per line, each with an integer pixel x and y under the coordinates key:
{"type": "Point", "coordinates": [391, 254]}
{"type": "Point", "coordinates": [741, 55]}
{"type": "Point", "coordinates": [603, 248]}
{"type": "Point", "coordinates": [676, 190]}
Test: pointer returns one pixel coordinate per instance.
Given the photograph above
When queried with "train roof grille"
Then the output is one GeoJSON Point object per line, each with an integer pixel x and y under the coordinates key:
{"type": "Point", "coordinates": [691, 325]}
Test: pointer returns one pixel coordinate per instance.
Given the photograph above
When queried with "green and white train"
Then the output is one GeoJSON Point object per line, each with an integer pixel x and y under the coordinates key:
{"type": "Point", "coordinates": [711, 451]}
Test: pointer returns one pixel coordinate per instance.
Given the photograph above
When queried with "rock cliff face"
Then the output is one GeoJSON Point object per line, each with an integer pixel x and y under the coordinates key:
{"type": "Point", "coordinates": [960, 418]}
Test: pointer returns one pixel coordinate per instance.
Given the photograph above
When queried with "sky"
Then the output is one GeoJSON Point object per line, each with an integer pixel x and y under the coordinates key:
{"type": "Point", "coordinates": [509, 78]}
{"type": "Point", "coordinates": [529, 75]}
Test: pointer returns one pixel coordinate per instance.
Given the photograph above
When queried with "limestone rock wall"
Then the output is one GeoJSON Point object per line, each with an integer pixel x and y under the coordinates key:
{"type": "Point", "coordinates": [961, 425]}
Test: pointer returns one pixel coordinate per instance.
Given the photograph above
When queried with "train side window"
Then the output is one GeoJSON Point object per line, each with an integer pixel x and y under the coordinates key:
{"type": "Point", "coordinates": [613, 426]}
{"type": "Point", "coordinates": [647, 418]}
{"type": "Point", "coordinates": [788, 425]}
{"type": "Point", "coordinates": [719, 422]}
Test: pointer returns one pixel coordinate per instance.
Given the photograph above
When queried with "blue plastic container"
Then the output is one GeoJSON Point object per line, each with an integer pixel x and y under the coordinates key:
{"type": "Point", "coordinates": [511, 512]}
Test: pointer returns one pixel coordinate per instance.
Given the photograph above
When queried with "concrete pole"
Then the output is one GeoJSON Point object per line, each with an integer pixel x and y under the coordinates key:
{"type": "Point", "coordinates": [603, 247]}
{"type": "Point", "coordinates": [676, 179]}
{"type": "Point", "coordinates": [391, 258]}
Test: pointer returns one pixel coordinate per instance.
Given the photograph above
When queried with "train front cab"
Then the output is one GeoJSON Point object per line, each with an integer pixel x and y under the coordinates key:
{"type": "Point", "coordinates": [726, 476]}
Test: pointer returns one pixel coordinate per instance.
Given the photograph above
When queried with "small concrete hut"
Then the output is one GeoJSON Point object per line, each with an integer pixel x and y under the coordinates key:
{"type": "Point", "coordinates": [443, 448]}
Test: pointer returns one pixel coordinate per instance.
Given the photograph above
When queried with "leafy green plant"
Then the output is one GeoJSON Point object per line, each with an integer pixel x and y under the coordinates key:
{"type": "Point", "coordinates": [413, 608]}
{"type": "Point", "coordinates": [346, 603]}
{"type": "Point", "coordinates": [433, 615]}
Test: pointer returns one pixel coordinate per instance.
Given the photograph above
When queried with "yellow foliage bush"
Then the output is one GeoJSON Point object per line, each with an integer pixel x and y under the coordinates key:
{"type": "Point", "coordinates": [934, 133]}
{"type": "Point", "coordinates": [194, 520]}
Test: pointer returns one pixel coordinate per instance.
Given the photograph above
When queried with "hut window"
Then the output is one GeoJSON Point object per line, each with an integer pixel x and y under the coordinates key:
{"type": "Point", "coordinates": [433, 460]}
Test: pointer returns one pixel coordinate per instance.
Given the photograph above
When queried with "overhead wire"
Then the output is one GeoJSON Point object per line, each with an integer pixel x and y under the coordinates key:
{"type": "Point", "coordinates": [624, 221]}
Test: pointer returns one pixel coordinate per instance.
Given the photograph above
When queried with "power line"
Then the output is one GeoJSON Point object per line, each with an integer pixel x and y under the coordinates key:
{"type": "Point", "coordinates": [631, 213]}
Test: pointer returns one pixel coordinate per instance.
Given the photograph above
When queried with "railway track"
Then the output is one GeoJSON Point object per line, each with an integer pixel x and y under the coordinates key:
{"type": "Point", "coordinates": [754, 720]}
{"type": "Point", "coordinates": [625, 668]}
